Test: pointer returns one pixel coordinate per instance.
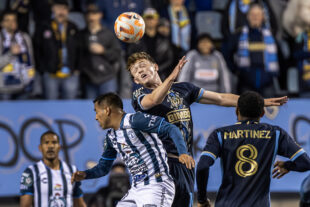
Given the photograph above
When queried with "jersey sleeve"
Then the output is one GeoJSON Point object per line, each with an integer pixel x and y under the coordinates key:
{"type": "Point", "coordinates": [155, 124]}
{"type": "Point", "coordinates": [137, 96]}
{"type": "Point", "coordinates": [287, 145]}
{"type": "Point", "coordinates": [105, 162]}
{"type": "Point", "coordinates": [212, 148]}
{"type": "Point", "coordinates": [109, 153]}
{"type": "Point", "coordinates": [195, 92]}
{"type": "Point", "coordinates": [146, 122]}
{"type": "Point", "coordinates": [77, 191]}
{"type": "Point", "coordinates": [26, 183]}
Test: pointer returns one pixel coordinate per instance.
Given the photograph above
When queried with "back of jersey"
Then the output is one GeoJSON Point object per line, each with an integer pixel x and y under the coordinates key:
{"type": "Point", "coordinates": [247, 150]}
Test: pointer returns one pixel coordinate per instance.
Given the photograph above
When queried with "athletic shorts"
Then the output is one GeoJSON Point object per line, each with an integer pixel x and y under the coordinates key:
{"type": "Point", "coordinates": [184, 180]}
{"type": "Point", "coordinates": [152, 195]}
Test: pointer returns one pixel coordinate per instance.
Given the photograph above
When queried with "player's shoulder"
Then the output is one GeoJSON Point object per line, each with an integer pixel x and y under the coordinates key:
{"type": "Point", "coordinates": [139, 90]}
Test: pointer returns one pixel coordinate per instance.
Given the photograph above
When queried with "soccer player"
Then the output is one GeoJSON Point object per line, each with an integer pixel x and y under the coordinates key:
{"type": "Point", "coordinates": [135, 138]}
{"type": "Point", "coordinates": [247, 150]}
{"type": "Point", "coordinates": [172, 101]}
{"type": "Point", "coordinates": [47, 182]}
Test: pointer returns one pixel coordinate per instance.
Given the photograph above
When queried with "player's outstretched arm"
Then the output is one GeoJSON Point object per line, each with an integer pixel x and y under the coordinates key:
{"type": "Point", "coordinates": [26, 200]}
{"type": "Point", "coordinates": [79, 202]}
{"type": "Point", "coordinates": [231, 100]}
{"type": "Point", "coordinates": [158, 95]}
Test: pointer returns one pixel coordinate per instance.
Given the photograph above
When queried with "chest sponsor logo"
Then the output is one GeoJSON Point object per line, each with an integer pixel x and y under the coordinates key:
{"type": "Point", "coordinates": [179, 116]}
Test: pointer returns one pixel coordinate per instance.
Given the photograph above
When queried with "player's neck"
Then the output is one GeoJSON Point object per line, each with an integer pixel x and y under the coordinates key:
{"type": "Point", "coordinates": [242, 118]}
{"type": "Point", "coordinates": [117, 119]}
{"type": "Point", "coordinates": [53, 164]}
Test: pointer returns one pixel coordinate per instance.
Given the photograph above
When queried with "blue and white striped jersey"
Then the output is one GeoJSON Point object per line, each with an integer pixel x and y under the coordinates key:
{"type": "Point", "coordinates": [140, 148]}
{"type": "Point", "coordinates": [50, 187]}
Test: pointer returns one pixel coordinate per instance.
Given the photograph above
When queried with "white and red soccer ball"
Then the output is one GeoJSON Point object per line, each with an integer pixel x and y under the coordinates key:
{"type": "Point", "coordinates": [129, 27]}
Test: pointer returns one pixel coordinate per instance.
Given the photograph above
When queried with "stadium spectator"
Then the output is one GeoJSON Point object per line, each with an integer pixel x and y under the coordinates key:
{"type": "Point", "coordinates": [57, 53]}
{"type": "Point", "coordinates": [99, 52]}
{"type": "Point", "coordinates": [113, 8]}
{"type": "Point", "coordinates": [180, 22]}
{"type": "Point", "coordinates": [48, 182]}
{"type": "Point", "coordinates": [252, 54]}
{"type": "Point", "coordinates": [296, 22]}
{"type": "Point", "coordinates": [235, 16]}
{"type": "Point", "coordinates": [164, 27]}
{"type": "Point", "coordinates": [206, 67]}
{"type": "Point", "coordinates": [16, 60]}
{"type": "Point", "coordinates": [305, 193]}
{"type": "Point", "coordinates": [119, 184]}
{"type": "Point", "coordinates": [157, 45]}
{"type": "Point", "coordinates": [247, 150]}
{"type": "Point", "coordinates": [22, 9]}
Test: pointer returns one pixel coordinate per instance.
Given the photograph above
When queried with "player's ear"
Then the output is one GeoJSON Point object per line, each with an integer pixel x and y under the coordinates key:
{"type": "Point", "coordinates": [237, 111]}
{"type": "Point", "coordinates": [108, 110]}
{"type": "Point", "coordinates": [263, 113]}
{"type": "Point", "coordinates": [156, 67]}
{"type": "Point", "coordinates": [40, 147]}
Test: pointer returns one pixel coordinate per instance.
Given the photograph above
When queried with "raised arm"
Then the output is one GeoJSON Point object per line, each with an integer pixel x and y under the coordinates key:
{"type": "Point", "coordinates": [158, 95]}
{"type": "Point", "coordinates": [228, 99]}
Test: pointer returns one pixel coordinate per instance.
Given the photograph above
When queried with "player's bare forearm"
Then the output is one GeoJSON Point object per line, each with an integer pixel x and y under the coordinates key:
{"type": "Point", "coordinates": [158, 95]}
{"type": "Point", "coordinates": [276, 101]}
{"type": "Point", "coordinates": [79, 202]}
{"type": "Point", "coordinates": [26, 200]}
{"type": "Point", "coordinates": [220, 99]}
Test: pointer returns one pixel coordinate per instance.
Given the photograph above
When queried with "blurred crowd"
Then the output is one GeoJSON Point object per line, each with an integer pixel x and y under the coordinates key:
{"type": "Point", "coordinates": [67, 49]}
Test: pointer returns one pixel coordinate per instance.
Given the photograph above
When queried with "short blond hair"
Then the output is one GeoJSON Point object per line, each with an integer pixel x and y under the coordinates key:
{"type": "Point", "coordinates": [138, 56]}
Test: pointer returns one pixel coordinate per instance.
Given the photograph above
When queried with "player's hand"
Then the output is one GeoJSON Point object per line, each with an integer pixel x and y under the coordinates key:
{"type": "Point", "coordinates": [78, 176]}
{"type": "Point", "coordinates": [276, 101]}
{"type": "Point", "coordinates": [279, 170]}
{"type": "Point", "coordinates": [177, 69]}
{"type": "Point", "coordinates": [96, 48]}
{"type": "Point", "coordinates": [206, 204]}
{"type": "Point", "coordinates": [187, 160]}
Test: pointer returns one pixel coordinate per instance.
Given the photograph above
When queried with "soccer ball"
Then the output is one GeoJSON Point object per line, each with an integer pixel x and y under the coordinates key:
{"type": "Point", "coordinates": [129, 27]}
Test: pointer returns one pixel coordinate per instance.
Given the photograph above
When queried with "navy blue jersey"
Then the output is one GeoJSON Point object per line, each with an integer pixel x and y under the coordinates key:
{"type": "Point", "coordinates": [247, 151]}
{"type": "Point", "coordinates": [175, 109]}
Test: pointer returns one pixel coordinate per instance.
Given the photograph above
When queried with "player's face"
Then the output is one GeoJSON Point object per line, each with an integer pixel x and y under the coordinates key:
{"type": "Point", "coordinates": [50, 147]}
{"type": "Point", "coordinates": [143, 72]}
{"type": "Point", "coordinates": [102, 116]}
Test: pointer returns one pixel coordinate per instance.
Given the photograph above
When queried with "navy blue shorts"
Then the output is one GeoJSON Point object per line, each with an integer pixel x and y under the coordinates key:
{"type": "Point", "coordinates": [184, 183]}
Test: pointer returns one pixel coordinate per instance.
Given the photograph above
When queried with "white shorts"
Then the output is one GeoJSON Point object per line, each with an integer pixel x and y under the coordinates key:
{"type": "Point", "coordinates": [152, 195]}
